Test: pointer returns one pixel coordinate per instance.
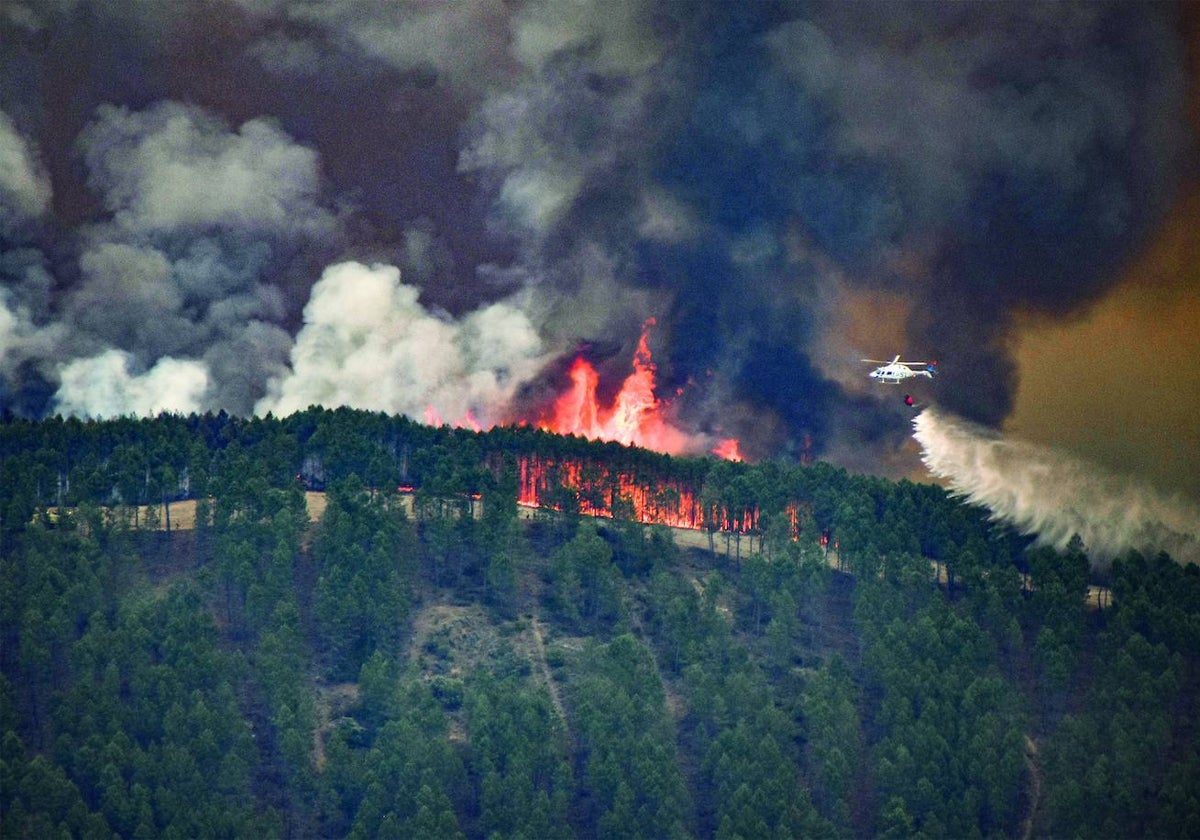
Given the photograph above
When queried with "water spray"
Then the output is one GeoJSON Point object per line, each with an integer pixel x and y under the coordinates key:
{"type": "Point", "coordinates": [1044, 491]}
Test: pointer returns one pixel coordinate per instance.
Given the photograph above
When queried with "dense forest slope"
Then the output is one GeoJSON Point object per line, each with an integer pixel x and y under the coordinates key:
{"type": "Point", "coordinates": [426, 662]}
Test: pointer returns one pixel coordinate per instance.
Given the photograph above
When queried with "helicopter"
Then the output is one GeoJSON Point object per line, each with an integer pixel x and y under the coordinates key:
{"type": "Point", "coordinates": [895, 371]}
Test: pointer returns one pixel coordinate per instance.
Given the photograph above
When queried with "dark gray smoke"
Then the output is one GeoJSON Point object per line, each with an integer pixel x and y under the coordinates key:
{"type": "Point", "coordinates": [176, 177]}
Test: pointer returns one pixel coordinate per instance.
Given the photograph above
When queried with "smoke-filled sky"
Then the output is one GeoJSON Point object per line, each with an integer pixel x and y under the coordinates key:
{"type": "Point", "coordinates": [254, 205]}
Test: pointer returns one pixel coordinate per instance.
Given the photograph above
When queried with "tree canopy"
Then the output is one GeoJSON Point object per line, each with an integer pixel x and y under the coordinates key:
{"type": "Point", "coordinates": [344, 624]}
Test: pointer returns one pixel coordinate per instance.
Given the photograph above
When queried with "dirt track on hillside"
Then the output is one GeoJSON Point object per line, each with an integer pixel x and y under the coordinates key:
{"type": "Point", "coordinates": [183, 518]}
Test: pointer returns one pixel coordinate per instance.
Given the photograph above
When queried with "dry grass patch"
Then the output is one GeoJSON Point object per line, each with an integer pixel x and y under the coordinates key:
{"type": "Point", "coordinates": [315, 503]}
{"type": "Point", "coordinates": [452, 640]}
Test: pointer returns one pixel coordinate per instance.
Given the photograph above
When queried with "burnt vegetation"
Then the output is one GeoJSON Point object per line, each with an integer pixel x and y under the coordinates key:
{"type": "Point", "coordinates": [861, 658]}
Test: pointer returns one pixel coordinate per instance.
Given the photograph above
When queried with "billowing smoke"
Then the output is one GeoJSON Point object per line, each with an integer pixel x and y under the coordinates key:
{"type": "Point", "coordinates": [172, 169]}
{"type": "Point", "coordinates": [368, 342]}
{"type": "Point", "coordinates": [176, 177]}
{"type": "Point", "coordinates": [184, 271]}
{"type": "Point", "coordinates": [1045, 491]}
{"type": "Point", "coordinates": [104, 387]}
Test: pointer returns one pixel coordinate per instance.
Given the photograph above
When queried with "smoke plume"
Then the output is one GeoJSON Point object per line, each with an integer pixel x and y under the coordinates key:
{"type": "Point", "coordinates": [369, 343]}
{"type": "Point", "coordinates": [1045, 491]}
{"type": "Point", "coordinates": [103, 386]}
{"type": "Point", "coordinates": [212, 190]}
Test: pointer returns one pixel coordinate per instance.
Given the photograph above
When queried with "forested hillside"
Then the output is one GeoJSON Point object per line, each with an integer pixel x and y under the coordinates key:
{"type": "Point", "coordinates": [428, 662]}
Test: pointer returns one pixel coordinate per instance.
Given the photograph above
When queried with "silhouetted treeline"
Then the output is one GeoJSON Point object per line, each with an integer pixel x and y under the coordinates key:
{"type": "Point", "coordinates": [885, 662]}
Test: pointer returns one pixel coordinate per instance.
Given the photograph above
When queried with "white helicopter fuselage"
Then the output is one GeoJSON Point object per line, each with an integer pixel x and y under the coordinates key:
{"type": "Point", "coordinates": [896, 371]}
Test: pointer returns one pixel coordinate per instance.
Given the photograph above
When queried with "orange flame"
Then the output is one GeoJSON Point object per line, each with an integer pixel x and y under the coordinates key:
{"type": "Point", "coordinates": [468, 421]}
{"type": "Point", "coordinates": [594, 490]}
{"type": "Point", "coordinates": [729, 449]}
{"type": "Point", "coordinates": [599, 492]}
{"type": "Point", "coordinates": [636, 415]}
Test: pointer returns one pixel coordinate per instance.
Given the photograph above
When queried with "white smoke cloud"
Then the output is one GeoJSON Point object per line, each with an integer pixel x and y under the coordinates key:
{"type": "Point", "coordinates": [102, 386]}
{"type": "Point", "coordinates": [171, 168]}
{"type": "Point", "coordinates": [24, 187]}
{"type": "Point", "coordinates": [1045, 491]}
{"type": "Point", "coordinates": [368, 343]}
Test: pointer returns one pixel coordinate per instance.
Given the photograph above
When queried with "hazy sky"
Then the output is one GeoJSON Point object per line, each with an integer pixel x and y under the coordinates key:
{"type": "Point", "coordinates": [1121, 382]}
{"type": "Point", "coordinates": [256, 204]}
